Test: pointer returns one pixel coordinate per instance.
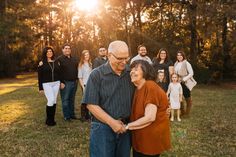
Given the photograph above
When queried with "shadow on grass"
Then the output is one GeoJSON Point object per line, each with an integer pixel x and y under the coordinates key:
{"type": "Point", "coordinates": [23, 132]}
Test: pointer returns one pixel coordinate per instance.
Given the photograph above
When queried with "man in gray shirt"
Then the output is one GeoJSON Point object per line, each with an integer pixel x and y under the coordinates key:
{"type": "Point", "coordinates": [108, 96]}
{"type": "Point", "coordinates": [142, 55]}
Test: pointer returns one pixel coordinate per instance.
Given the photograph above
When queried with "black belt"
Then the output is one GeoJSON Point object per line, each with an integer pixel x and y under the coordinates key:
{"type": "Point", "coordinates": [124, 120]}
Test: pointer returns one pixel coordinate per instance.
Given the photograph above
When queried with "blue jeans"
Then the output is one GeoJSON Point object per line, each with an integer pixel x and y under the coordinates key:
{"type": "Point", "coordinates": [68, 99]}
{"type": "Point", "coordinates": [104, 142]}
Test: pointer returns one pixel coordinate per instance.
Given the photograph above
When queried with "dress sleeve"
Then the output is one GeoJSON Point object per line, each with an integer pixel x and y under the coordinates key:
{"type": "Point", "coordinates": [190, 72]}
{"type": "Point", "coordinates": [80, 72]}
{"type": "Point", "coordinates": [40, 76]}
{"type": "Point", "coordinates": [151, 94]}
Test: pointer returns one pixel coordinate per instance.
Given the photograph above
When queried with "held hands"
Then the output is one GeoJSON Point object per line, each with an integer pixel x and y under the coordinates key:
{"type": "Point", "coordinates": [118, 126]}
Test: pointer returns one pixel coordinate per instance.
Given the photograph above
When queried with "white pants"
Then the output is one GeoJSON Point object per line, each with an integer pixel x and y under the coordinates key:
{"type": "Point", "coordinates": [51, 91]}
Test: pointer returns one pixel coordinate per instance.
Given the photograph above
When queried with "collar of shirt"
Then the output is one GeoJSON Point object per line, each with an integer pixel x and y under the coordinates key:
{"type": "Point", "coordinates": [143, 57]}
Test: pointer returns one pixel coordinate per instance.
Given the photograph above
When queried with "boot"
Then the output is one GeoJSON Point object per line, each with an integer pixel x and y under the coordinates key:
{"type": "Point", "coordinates": [47, 115]}
{"type": "Point", "coordinates": [53, 113]}
{"type": "Point", "coordinates": [50, 116]}
{"type": "Point", "coordinates": [182, 109]}
{"type": "Point", "coordinates": [83, 112]}
{"type": "Point", "coordinates": [189, 106]}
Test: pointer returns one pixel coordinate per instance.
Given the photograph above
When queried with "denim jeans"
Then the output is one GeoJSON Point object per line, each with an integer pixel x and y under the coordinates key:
{"type": "Point", "coordinates": [104, 142]}
{"type": "Point", "coordinates": [68, 99]}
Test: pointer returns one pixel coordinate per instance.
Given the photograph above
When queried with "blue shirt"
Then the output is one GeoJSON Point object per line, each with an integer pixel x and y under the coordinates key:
{"type": "Point", "coordinates": [113, 93]}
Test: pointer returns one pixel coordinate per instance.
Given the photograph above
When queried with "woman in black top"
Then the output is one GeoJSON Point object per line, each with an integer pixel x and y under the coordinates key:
{"type": "Point", "coordinates": [162, 63]}
{"type": "Point", "coordinates": [48, 80]}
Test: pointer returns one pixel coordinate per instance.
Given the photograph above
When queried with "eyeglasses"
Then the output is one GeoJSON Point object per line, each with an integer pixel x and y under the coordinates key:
{"type": "Point", "coordinates": [121, 59]}
{"type": "Point", "coordinates": [102, 50]}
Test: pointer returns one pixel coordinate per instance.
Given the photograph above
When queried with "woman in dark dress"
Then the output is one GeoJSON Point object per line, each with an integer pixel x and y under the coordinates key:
{"type": "Point", "coordinates": [162, 63]}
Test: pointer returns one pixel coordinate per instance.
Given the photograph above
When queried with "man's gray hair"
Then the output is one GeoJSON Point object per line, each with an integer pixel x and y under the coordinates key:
{"type": "Point", "coordinates": [117, 45]}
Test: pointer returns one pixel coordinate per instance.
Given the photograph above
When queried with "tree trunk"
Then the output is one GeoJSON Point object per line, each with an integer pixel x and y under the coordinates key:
{"type": "Point", "coordinates": [225, 48]}
{"type": "Point", "coordinates": [193, 22]}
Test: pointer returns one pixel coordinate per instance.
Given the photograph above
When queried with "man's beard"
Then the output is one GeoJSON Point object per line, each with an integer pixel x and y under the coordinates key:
{"type": "Point", "coordinates": [143, 55]}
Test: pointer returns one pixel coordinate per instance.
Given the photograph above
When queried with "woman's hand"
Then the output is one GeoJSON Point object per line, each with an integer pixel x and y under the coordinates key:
{"type": "Point", "coordinates": [41, 91]}
{"type": "Point", "coordinates": [40, 63]}
{"type": "Point", "coordinates": [62, 86]}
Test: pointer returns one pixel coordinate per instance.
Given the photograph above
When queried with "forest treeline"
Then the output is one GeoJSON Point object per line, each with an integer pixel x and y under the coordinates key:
{"type": "Point", "coordinates": [204, 29]}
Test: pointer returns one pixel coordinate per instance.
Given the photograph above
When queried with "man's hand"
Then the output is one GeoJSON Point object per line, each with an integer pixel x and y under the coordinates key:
{"type": "Point", "coordinates": [62, 86]}
{"type": "Point", "coordinates": [117, 126]}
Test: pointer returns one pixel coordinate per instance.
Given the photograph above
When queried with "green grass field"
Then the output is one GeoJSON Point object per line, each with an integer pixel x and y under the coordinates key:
{"type": "Point", "coordinates": [210, 131]}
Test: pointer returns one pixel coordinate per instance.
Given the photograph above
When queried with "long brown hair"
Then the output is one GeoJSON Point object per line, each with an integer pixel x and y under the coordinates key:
{"type": "Point", "coordinates": [158, 55]}
{"type": "Point", "coordinates": [182, 54]}
{"type": "Point", "coordinates": [81, 62]}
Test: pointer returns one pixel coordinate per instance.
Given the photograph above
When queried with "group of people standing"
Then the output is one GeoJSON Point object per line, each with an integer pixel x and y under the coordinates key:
{"type": "Point", "coordinates": [62, 73]}
{"type": "Point", "coordinates": [171, 78]}
{"type": "Point", "coordinates": [123, 101]}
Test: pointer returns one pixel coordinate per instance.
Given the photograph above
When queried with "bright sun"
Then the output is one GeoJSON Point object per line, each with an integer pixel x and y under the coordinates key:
{"type": "Point", "coordinates": [86, 5]}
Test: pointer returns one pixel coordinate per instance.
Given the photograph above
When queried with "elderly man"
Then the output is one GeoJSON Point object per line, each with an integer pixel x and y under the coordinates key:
{"type": "Point", "coordinates": [108, 96]}
{"type": "Point", "coordinates": [142, 55]}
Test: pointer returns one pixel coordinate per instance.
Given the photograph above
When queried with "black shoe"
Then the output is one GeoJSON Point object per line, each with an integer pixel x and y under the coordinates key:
{"type": "Point", "coordinates": [74, 118]}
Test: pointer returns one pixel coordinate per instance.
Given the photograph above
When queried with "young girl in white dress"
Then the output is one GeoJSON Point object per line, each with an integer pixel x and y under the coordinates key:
{"type": "Point", "coordinates": [175, 93]}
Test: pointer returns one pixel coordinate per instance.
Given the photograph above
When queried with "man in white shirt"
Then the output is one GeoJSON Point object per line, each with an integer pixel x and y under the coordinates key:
{"type": "Point", "coordinates": [142, 55]}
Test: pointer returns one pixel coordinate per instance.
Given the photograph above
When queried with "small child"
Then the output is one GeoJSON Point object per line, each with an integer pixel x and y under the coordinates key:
{"type": "Point", "coordinates": [161, 80]}
{"type": "Point", "coordinates": [175, 93]}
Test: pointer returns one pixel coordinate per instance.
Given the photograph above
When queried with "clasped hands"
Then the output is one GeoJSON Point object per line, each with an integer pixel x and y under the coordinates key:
{"type": "Point", "coordinates": [118, 126]}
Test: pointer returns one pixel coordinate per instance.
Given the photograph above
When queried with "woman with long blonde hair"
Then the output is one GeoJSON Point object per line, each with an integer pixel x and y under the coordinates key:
{"type": "Point", "coordinates": [85, 68]}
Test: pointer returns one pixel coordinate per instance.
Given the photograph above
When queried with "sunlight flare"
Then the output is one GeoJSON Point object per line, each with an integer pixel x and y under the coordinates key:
{"type": "Point", "coordinates": [86, 5]}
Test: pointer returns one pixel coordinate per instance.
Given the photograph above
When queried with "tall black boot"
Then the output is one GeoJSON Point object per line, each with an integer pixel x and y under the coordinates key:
{"type": "Point", "coordinates": [50, 116]}
{"type": "Point", "coordinates": [53, 113]}
{"type": "Point", "coordinates": [47, 115]}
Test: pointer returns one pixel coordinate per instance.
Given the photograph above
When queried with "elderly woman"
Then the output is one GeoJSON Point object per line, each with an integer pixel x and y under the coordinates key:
{"type": "Point", "coordinates": [149, 120]}
{"type": "Point", "coordinates": [184, 69]}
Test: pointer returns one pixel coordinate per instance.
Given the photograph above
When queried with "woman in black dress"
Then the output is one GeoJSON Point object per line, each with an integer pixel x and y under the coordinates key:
{"type": "Point", "coordinates": [162, 63]}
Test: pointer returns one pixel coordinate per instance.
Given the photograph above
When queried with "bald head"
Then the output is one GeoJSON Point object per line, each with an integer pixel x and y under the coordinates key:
{"type": "Point", "coordinates": [117, 47]}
